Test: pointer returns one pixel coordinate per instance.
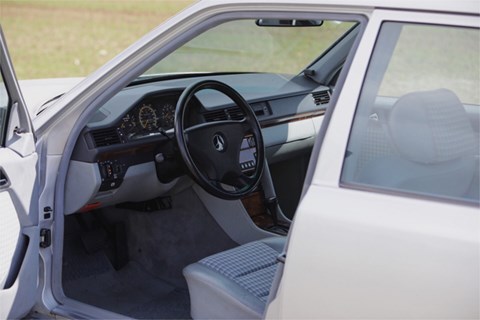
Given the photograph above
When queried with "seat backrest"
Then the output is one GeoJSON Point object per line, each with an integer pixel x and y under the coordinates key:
{"type": "Point", "coordinates": [434, 146]}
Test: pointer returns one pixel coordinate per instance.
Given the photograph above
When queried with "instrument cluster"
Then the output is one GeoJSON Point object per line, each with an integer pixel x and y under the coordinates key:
{"type": "Point", "coordinates": [149, 117]}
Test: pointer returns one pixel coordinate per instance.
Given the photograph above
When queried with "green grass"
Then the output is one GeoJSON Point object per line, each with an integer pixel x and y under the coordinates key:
{"type": "Point", "coordinates": [73, 38]}
{"type": "Point", "coordinates": [67, 38]}
{"type": "Point", "coordinates": [432, 57]}
{"type": "Point", "coordinates": [242, 46]}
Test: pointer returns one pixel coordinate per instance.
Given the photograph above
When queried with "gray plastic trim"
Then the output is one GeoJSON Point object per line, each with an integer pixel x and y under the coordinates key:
{"type": "Point", "coordinates": [232, 218]}
{"type": "Point", "coordinates": [74, 309]}
{"type": "Point", "coordinates": [83, 182]}
{"type": "Point", "coordinates": [288, 132]}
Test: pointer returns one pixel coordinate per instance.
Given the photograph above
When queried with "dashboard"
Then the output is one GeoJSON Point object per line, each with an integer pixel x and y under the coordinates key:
{"type": "Point", "coordinates": [127, 150]}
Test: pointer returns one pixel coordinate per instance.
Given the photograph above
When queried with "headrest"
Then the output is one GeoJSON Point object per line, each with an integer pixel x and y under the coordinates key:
{"type": "Point", "coordinates": [431, 127]}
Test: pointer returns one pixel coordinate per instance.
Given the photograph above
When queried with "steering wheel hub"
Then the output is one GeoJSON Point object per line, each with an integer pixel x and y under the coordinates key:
{"type": "Point", "coordinates": [219, 142]}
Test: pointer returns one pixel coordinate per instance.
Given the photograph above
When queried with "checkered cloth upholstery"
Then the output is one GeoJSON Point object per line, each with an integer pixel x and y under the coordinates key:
{"type": "Point", "coordinates": [431, 127]}
{"type": "Point", "coordinates": [251, 266]}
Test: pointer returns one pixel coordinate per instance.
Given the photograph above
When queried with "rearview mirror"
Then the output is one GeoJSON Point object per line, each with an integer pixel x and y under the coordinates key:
{"type": "Point", "coordinates": [288, 23]}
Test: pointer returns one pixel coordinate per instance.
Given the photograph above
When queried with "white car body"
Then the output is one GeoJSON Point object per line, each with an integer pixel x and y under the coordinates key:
{"type": "Point", "coordinates": [39, 91]}
{"type": "Point", "coordinates": [351, 253]}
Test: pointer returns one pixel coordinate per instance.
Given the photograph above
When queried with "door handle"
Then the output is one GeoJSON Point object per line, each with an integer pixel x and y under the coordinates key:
{"type": "Point", "coordinates": [4, 183]}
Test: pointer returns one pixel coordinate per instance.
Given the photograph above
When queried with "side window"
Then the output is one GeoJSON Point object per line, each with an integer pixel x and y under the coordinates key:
{"type": "Point", "coordinates": [3, 109]}
{"type": "Point", "coordinates": [416, 128]}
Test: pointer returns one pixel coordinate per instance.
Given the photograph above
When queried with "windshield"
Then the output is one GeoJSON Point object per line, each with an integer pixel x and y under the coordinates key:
{"type": "Point", "coordinates": [244, 46]}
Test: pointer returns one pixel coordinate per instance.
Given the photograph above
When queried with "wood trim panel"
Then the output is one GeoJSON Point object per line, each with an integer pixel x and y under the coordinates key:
{"type": "Point", "coordinates": [292, 118]}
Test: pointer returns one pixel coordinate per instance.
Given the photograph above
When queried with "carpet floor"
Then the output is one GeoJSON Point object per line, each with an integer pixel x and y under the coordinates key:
{"type": "Point", "coordinates": [158, 244]}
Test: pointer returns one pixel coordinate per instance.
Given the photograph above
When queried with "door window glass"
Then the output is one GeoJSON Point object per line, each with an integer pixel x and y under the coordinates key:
{"type": "Point", "coordinates": [416, 129]}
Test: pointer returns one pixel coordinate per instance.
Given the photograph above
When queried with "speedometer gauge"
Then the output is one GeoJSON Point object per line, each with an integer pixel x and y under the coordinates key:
{"type": "Point", "coordinates": [147, 117]}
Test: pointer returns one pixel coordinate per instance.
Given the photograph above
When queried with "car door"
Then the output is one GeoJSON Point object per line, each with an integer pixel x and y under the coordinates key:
{"type": "Point", "coordinates": [389, 226]}
{"type": "Point", "coordinates": [19, 234]}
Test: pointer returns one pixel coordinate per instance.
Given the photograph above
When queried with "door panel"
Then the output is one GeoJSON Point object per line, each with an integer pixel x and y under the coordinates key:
{"type": "Point", "coordinates": [10, 238]}
{"type": "Point", "coordinates": [379, 251]}
{"type": "Point", "coordinates": [378, 256]}
{"type": "Point", "coordinates": [19, 235]}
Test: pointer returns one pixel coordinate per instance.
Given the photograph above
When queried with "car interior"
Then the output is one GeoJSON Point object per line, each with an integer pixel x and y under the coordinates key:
{"type": "Point", "coordinates": [135, 213]}
{"type": "Point", "coordinates": [181, 189]}
{"type": "Point", "coordinates": [186, 171]}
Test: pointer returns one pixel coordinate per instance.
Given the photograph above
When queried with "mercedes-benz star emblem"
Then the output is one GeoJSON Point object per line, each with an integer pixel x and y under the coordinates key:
{"type": "Point", "coordinates": [219, 142]}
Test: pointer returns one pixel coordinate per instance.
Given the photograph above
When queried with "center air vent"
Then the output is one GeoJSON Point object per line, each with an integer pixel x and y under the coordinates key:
{"type": "Point", "coordinates": [105, 137]}
{"type": "Point", "coordinates": [321, 97]}
{"type": "Point", "coordinates": [233, 113]}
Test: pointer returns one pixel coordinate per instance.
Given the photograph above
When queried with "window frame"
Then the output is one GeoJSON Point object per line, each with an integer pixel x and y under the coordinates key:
{"type": "Point", "coordinates": [6, 114]}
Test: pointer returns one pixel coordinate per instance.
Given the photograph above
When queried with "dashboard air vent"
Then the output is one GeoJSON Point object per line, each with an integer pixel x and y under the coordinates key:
{"type": "Point", "coordinates": [215, 115]}
{"type": "Point", "coordinates": [233, 113]}
{"type": "Point", "coordinates": [321, 97]}
{"type": "Point", "coordinates": [105, 137]}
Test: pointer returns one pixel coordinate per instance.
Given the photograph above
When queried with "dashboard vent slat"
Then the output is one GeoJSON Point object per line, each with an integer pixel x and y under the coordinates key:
{"type": "Point", "coordinates": [321, 97]}
{"type": "Point", "coordinates": [105, 137]}
{"type": "Point", "coordinates": [235, 113]}
{"type": "Point", "coordinates": [232, 113]}
{"type": "Point", "coordinates": [215, 115]}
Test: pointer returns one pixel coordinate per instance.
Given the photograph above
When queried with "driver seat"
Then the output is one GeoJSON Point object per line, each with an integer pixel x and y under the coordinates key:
{"type": "Point", "coordinates": [234, 284]}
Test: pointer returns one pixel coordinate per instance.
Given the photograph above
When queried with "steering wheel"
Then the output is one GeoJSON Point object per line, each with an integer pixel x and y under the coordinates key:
{"type": "Point", "coordinates": [211, 150]}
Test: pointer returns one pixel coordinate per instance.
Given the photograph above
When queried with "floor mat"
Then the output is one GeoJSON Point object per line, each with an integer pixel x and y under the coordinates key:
{"type": "Point", "coordinates": [175, 305]}
{"type": "Point", "coordinates": [166, 241]}
{"type": "Point", "coordinates": [159, 245]}
{"type": "Point", "coordinates": [130, 291]}
{"type": "Point", "coordinates": [77, 264]}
